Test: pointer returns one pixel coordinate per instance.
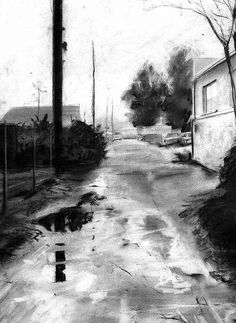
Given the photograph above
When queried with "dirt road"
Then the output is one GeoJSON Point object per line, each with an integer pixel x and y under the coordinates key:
{"type": "Point", "coordinates": [134, 262]}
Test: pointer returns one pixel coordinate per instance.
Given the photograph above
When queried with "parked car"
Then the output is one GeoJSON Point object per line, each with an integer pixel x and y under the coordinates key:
{"type": "Point", "coordinates": [169, 139]}
{"type": "Point", "coordinates": [117, 136]}
{"type": "Point", "coordinates": [129, 133]}
{"type": "Point", "coordinates": [150, 137]}
{"type": "Point", "coordinates": [186, 138]}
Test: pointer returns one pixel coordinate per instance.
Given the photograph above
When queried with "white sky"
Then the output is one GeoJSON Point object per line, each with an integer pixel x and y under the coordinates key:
{"type": "Point", "coordinates": [125, 36]}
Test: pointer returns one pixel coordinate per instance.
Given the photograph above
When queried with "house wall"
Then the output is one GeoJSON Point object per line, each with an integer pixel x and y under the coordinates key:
{"type": "Point", "coordinates": [213, 133]}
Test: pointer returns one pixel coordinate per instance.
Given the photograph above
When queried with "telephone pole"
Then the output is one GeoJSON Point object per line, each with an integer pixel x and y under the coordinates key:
{"type": "Point", "coordinates": [39, 94]}
{"type": "Point", "coordinates": [107, 117]}
{"type": "Point", "coordinates": [93, 90]}
{"type": "Point", "coordinates": [112, 119]}
{"type": "Point", "coordinates": [57, 81]}
{"type": "Point", "coordinates": [5, 184]}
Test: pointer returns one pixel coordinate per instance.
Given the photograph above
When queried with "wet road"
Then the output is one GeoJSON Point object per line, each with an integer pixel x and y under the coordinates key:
{"type": "Point", "coordinates": [135, 262]}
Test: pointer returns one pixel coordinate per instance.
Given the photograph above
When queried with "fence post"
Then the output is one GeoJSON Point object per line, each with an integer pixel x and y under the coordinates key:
{"type": "Point", "coordinates": [34, 160]}
{"type": "Point", "coordinates": [4, 202]}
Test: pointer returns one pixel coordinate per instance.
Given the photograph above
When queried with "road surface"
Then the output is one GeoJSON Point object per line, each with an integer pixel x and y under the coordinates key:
{"type": "Point", "coordinates": [135, 262]}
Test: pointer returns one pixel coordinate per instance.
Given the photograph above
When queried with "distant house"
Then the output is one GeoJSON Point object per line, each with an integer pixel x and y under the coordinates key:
{"type": "Point", "coordinates": [214, 120]}
{"type": "Point", "coordinates": [24, 114]}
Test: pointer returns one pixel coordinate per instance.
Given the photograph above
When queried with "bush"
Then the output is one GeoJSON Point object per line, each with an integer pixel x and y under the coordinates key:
{"type": "Point", "coordinates": [81, 143]}
{"type": "Point", "coordinates": [228, 170]}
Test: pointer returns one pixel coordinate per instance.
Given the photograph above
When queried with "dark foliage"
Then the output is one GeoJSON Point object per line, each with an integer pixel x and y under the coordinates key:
{"type": "Point", "coordinates": [228, 170]}
{"type": "Point", "coordinates": [146, 96]}
{"type": "Point", "coordinates": [41, 125]}
{"type": "Point", "coordinates": [218, 217]}
{"type": "Point", "coordinates": [149, 95]}
{"type": "Point", "coordinates": [179, 101]}
{"type": "Point", "coordinates": [81, 143]}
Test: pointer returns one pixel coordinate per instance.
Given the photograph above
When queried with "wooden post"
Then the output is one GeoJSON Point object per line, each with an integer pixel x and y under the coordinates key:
{"type": "Point", "coordinates": [57, 82]}
{"type": "Point", "coordinates": [34, 160]}
{"type": "Point", "coordinates": [38, 97]}
{"type": "Point", "coordinates": [93, 90]}
{"type": "Point", "coordinates": [4, 203]}
{"type": "Point", "coordinates": [106, 118]}
{"type": "Point", "coordinates": [50, 147]}
{"type": "Point", "coordinates": [38, 102]}
{"type": "Point", "coordinates": [112, 120]}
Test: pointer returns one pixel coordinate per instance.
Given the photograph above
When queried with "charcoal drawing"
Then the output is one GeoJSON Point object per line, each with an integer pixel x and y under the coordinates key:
{"type": "Point", "coordinates": [118, 161]}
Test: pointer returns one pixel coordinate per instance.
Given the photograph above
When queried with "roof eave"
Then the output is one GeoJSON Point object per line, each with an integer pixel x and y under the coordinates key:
{"type": "Point", "coordinates": [211, 66]}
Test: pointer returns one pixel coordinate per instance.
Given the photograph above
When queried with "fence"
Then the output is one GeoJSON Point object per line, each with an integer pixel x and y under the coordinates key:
{"type": "Point", "coordinates": [23, 147]}
{"type": "Point", "coordinates": [32, 147]}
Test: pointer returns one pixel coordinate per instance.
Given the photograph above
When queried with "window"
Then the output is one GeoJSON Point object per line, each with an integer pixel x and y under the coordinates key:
{"type": "Point", "coordinates": [210, 98]}
{"type": "Point", "coordinates": [172, 135]}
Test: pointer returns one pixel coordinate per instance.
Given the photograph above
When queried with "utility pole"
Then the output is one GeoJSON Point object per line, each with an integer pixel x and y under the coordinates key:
{"type": "Point", "coordinates": [107, 117]}
{"type": "Point", "coordinates": [5, 185]}
{"type": "Point", "coordinates": [34, 160]}
{"type": "Point", "coordinates": [50, 147]}
{"type": "Point", "coordinates": [38, 97]}
{"type": "Point", "coordinates": [93, 90]}
{"type": "Point", "coordinates": [112, 119]}
{"type": "Point", "coordinates": [57, 81]}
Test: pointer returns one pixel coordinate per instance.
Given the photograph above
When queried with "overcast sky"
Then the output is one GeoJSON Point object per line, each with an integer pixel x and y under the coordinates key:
{"type": "Point", "coordinates": [125, 36]}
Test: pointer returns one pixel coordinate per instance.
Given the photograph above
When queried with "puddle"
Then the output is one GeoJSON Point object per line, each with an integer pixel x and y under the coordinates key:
{"type": "Point", "coordinates": [71, 218]}
{"type": "Point", "coordinates": [60, 267]}
{"type": "Point", "coordinates": [153, 223]}
{"type": "Point", "coordinates": [60, 256]}
{"type": "Point", "coordinates": [59, 222]}
{"type": "Point", "coordinates": [60, 275]}
{"type": "Point", "coordinates": [90, 198]}
{"type": "Point", "coordinates": [67, 219]}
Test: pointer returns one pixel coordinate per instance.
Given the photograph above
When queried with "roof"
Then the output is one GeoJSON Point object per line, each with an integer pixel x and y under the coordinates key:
{"type": "Point", "coordinates": [211, 66]}
{"type": "Point", "coordinates": [24, 114]}
{"type": "Point", "coordinates": [200, 63]}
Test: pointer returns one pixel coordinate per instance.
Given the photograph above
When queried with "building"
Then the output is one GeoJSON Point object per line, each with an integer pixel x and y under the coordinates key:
{"type": "Point", "coordinates": [25, 114]}
{"type": "Point", "coordinates": [213, 113]}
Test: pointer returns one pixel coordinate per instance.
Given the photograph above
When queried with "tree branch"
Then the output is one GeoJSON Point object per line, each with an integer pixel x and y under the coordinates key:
{"type": "Point", "coordinates": [175, 7]}
{"type": "Point", "coordinates": [222, 40]}
{"type": "Point", "coordinates": [219, 15]}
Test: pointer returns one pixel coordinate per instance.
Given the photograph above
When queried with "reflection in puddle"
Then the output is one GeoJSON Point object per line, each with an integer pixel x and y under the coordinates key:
{"type": "Point", "coordinates": [67, 219]}
{"type": "Point", "coordinates": [59, 221]}
{"type": "Point", "coordinates": [60, 275]}
{"type": "Point", "coordinates": [71, 218]}
{"type": "Point", "coordinates": [60, 256]}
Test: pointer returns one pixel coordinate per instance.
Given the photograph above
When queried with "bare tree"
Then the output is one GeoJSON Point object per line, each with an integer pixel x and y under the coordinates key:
{"type": "Point", "coordinates": [221, 16]}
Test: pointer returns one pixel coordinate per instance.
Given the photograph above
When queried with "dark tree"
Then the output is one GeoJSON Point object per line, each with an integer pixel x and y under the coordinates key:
{"type": "Point", "coordinates": [146, 96]}
{"type": "Point", "coordinates": [221, 17]}
{"type": "Point", "coordinates": [179, 102]}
